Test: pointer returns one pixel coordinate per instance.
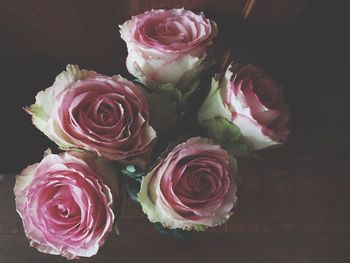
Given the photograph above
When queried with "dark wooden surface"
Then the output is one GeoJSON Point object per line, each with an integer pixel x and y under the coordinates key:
{"type": "Point", "coordinates": [293, 201]}
{"type": "Point", "coordinates": [293, 207]}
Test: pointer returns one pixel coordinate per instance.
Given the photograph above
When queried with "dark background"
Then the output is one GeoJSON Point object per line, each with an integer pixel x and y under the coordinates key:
{"type": "Point", "coordinates": [293, 201]}
{"type": "Point", "coordinates": [302, 44]}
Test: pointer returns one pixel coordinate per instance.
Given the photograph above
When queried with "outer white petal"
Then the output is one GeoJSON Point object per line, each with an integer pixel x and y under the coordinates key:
{"type": "Point", "coordinates": [213, 105]}
{"type": "Point", "coordinates": [43, 111]}
{"type": "Point", "coordinates": [125, 31]}
{"type": "Point", "coordinates": [148, 207]}
{"type": "Point", "coordinates": [159, 210]}
{"type": "Point", "coordinates": [153, 206]}
{"type": "Point", "coordinates": [155, 209]}
{"type": "Point", "coordinates": [235, 104]}
{"type": "Point", "coordinates": [174, 74]}
{"type": "Point", "coordinates": [252, 132]}
{"type": "Point", "coordinates": [22, 181]}
{"type": "Point", "coordinates": [237, 112]}
{"type": "Point", "coordinates": [35, 237]}
{"type": "Point", "coordinates": [70, 76]}
{"type": "Point", "coordinates": [169, 68]}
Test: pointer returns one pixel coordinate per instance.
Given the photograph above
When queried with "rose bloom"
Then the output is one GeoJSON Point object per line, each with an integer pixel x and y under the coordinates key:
{"type": "Point", "coordinates": [106, 115]}
{"type": "Point", "coordinates": [168, 48]}
{"type": "Point", "coordinates": [247, 97]}
{"type": "Point", "coordinates": [192, 188]}
{"type": "Point", "coordinates": [66, 203]}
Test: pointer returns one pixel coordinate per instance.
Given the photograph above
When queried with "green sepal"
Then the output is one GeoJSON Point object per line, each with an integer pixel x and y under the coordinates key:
{"type": "Point", "coordinates": [133, 187]}
{"type": "Point", "coordinates": [223, 131]}
{"type": "Point", "coordinates": [228, 135]}
{"type": "Point", "coordinates": [37, 111]}
{"type": "Point", "coordinates": [198, 227]}
{"type": "Point", "coordinates": [176, 233]}
{"type": "Point", "coordinates": [132, 172]}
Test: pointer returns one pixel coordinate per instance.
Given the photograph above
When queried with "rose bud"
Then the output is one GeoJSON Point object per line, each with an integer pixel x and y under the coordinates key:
{"type": "Point", "coordinates": [66, 203]}
{"type": "Point", "coordinates": [106, 115]}
{"type": "Point", "coordinates": [167, 49]}
{"type": "Point", "coordinates": [246, 100]}
{"type": "Point", "coordinates": [192, 188]}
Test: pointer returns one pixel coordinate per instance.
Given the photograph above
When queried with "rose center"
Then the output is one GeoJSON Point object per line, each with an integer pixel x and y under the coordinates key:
{"type": "Point", "coordinates": [196, 183]}
{"type": "Point", "coordinates": [62, 204]}
{"type": "Point", "coordinates": [62, 210]}
{"type": "Point", "coordinates": [169, 31]}
{"type": "Point", "coordinates": [106, 113]}
{"type": "Point", "coordinates": [205, 184]}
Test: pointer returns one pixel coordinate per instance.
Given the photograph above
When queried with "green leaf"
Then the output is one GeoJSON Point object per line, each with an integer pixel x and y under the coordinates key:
{"type": "Point", "coordinates": [133, 176]}
{"type": "Point", "coordinates": [133, 187]}
{"type": "Point", "coordinates": [228, 135]}
{"type": "Point", "coordinates": [132, 172]}
{"type": "Point", "coordinates": [177, 233]}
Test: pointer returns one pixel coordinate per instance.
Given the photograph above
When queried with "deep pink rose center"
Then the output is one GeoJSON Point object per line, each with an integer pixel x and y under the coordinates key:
{"type": "Point", "coordinates": [198, 182]}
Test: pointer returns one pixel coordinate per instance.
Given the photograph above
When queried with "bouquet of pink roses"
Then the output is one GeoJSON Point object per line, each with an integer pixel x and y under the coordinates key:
{"type": "Point", "coordinates": [168, 137]}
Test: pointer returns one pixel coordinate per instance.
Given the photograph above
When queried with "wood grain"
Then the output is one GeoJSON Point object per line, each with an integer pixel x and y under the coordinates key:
{"type": "Point", "coordinates": [292, 208]}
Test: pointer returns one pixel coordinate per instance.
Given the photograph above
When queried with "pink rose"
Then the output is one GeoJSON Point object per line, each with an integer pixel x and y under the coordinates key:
{"type": "Point", "coordinates": [66, 203]}
{"type": "Point", "coordinates": [106, 115]}
{"type": "Point", "coordinates": [168, 48]}
{"type": "Point", "coordinates": [192, 188]}
{"type": "Point", "coordinates": [247, 97]}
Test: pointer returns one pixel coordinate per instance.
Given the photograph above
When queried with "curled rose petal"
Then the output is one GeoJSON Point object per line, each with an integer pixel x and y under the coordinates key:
{"type": "Point", "coordinates": [193, 187]}
{"type": "Point", "coordinates": [67, 203]}
{"type": "Point", "coordinates": [106, 115]}
{"type": "Point", "coordinates": [249, 99]}
{"type": "Point", "coordinates": [167, 49]}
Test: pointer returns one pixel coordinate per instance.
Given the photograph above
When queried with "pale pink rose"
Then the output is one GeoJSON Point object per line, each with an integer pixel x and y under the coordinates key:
{"type": "Point", "coordinates": [247, 97]}
{"type": "Point", "coordinates": [106, 115]}
{"type": "Point", "coordinates": [192, 188]}
{"type": "Point", "coordinates": [66, 203]}
{"type": "Point", "coordinates": [167, 49]}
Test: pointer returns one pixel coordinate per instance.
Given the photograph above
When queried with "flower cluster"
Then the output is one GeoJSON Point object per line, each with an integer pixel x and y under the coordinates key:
{"type": "Point", "coordinates": [179, 162]}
